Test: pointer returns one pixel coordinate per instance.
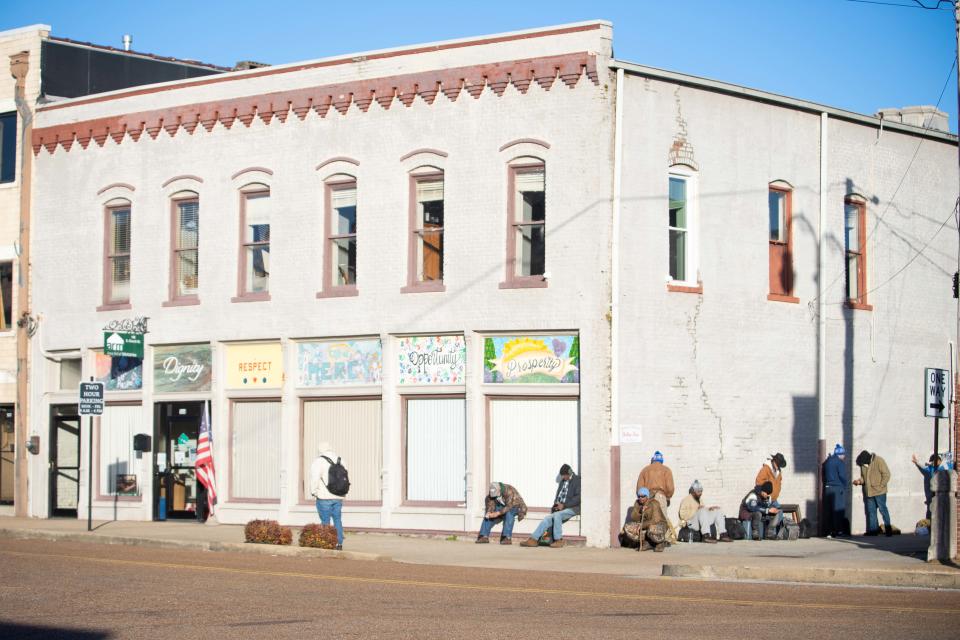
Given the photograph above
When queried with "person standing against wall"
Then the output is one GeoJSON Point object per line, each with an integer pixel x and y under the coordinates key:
{"type": "Point", "coordinates": [874, 476]}
{"type": "Point", "coordinates": [835, 492]}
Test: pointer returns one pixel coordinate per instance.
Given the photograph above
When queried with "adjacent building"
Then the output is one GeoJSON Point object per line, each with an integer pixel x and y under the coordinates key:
{"type": "Point", "coordinates": [475, 261]}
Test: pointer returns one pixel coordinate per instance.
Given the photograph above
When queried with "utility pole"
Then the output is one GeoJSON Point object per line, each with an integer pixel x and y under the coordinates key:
{"type": "Point", "coordinates": [953, 392]}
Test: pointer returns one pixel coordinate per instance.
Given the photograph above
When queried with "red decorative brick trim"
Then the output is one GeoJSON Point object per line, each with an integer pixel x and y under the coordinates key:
{"type": "Point", "coordinates": [120, 185]}
{"type": "Point", "coordinates": [568, 68]}
{"type": "Point", "coordinates": [183, 177]}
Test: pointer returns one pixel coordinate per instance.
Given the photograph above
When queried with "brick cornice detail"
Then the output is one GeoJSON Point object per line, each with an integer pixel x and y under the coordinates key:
{"type": "Point", "coordinates": [281, 105]}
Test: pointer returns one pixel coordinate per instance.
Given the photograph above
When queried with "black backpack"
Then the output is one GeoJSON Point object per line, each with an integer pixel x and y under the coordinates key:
{"type": "Point", "coordinates": [338, 480]}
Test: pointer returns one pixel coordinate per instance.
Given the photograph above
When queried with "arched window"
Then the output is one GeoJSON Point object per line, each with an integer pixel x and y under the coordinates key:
{"type": "Point", "coordinates": [780, 215]}
{"type": "Point", "coordinates": [683, 223]}
{"type": "Point", "coordinates": [116, 252]}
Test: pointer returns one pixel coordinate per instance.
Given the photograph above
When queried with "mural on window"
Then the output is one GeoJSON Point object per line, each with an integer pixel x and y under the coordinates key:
{"type": "Point", "coordinates": [118, 374]}
{"type": "Point", "coordinates": [338, 363]}
{"type": "Point", "coordinates": [531, 359]}
{"type": "Point", "coordinates": [432, 359]}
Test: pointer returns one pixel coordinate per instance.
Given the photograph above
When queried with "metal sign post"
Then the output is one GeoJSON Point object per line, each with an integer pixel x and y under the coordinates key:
{"type": "Point", "coordinates": [90, 404]}
{"type": "Point", "coordinates": [936, 402]}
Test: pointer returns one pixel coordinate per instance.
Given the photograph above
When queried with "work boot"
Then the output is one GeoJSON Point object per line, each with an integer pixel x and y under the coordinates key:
{"type": "Point", "coordinates": [725, 538]}
{"type": "Point", "coordinates": [558, 544]}
{"type": "Point", "coordinates": [888, 531]}
{"type": "Point", "coordinates": [709, 539]}
{"type": "Point", "coordinates": [505, 541]}
{"type": "Point", "coordinates": [483, 540]}
{"type": "Point", "coordinates": [660, 547]}
{"type": "Point", "coordinates": [339, 547]}
{"type": "Point", "coordinates": [529, 542]}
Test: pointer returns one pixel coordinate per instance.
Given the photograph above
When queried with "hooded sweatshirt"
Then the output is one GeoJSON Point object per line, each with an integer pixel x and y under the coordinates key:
{"type": "Point", "coordinates": [320, 471]}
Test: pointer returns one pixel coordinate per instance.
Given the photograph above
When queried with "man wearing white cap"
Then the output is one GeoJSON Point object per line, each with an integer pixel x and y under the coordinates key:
{"type": "Point", "coordinates": [700, 518]}
{"type": "Point", "coordinates": [329, 505]}
{"type": "Point", "coordinates": [503, 504]}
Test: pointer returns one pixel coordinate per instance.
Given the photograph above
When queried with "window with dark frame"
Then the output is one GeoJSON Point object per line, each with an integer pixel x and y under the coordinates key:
{"type": "Point", "coordinates": [529, 221]}
{"type": "Point", "coordinates": [779, 208]}
{"type": "Point", "coordinates": [255, 248]}
{"type": "Point", "coordinates": [854, 240]}
{"type": "Point", "coordinates": [428, 228]}
{"type": "Point", "coordinates": [8, 147]}
{"type": "Point", "coordinates": [342, 239]}
{"type": "Point", "coordinates": [118, 255]}
{"type": "Point", "coordinates": [186, 273]}
{"type": "Point", "coordinates": [6, 293]}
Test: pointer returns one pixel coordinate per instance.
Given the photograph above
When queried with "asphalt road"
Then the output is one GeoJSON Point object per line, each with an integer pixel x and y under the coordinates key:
{"type": "Point", "coordinates": [88, 591]}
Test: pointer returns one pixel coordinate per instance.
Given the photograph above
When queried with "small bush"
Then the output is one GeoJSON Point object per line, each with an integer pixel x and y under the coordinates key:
{"type": "Point", "coordinates": [319, 536]}
{"type": "Point", "coordinates": [267, 532]}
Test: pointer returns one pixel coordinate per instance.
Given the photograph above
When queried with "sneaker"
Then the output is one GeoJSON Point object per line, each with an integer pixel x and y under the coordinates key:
{"type": "Point", "coordinates": [529, 542]}
{"type": "Point", "coordinates": [506, 541]}
{"type": "Point", "coordinates": [709, 539]}
{"type": "Point", "coordinates": [339, 547]}
{"type": "Point", "coordinates": [558, 544]}
{"type": "Point", "coordinates": [483, 540]}
{"type": "Point", "coordinates": [660, 547]}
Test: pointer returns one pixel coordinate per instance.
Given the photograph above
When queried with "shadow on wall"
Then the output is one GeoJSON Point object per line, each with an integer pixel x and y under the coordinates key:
{"type": "Point", "coordinates": [805, 442]}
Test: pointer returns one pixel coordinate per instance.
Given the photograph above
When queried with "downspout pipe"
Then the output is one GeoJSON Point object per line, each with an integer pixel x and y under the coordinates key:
{"type": "Point", "coordinates": [615, 313]}
{"type": "Point", "coordinates": [821, 318]}
{"type": "Point", "coordinates": [19, 66]}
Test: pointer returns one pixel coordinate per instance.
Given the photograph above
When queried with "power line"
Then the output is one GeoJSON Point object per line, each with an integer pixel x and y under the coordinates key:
{"type": "Point", "coordinates": [917, 5]}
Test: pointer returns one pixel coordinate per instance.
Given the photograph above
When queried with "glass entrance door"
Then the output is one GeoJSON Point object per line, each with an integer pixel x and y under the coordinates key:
{"type": "Point", "coordinates": [64, 461]}
{"type": "Point", "coordinates": [176, 488]}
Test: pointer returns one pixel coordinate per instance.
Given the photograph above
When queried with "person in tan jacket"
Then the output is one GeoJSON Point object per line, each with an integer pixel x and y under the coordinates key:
{"type": "Point", "coordinates": [646, 525]}
{"type": "Point", "coordinates": [874, 476]}
{"type": "Point", "coordinates": [699, 517]}
{"type": "Point", "coordinates": [658, 479]}
{"type": "Point", "coordinates": [771, 472]}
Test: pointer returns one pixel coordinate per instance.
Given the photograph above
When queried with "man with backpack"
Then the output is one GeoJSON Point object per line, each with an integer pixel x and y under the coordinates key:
{"type": "Point", "coordinates": [329, 484]}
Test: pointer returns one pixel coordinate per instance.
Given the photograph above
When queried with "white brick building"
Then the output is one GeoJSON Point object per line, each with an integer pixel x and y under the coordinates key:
{"type": "Point", "coordinates": [315, 187]}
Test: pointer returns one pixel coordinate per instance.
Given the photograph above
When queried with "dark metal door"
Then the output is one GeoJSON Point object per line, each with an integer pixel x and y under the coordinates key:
{"type": "Point", "coordinates": [64, 465]}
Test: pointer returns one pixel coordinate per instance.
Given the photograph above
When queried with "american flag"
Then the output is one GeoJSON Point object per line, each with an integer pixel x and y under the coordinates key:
{"type": "Point", "coordinates": [204, 467]}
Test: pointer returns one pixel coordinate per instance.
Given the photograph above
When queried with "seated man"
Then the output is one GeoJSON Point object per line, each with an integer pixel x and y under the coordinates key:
{"type": "Point", "coordinates": [757, 512]}
{"type": "Point", "coordinates": [503, 504]}
{"type": "Point", "coordinates": [566, 504]}
{"type": "Point", "coordinates": [700, 518]}
{"type": "Point", "coordinates": [646, 525]}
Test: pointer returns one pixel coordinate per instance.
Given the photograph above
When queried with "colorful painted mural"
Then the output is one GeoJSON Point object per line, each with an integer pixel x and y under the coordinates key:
{"type": "Point", "coordinates": [182, 368]}
{"type": "Point", "coordinates": [254, 365]}
{"type": "Point", "coordinates": [531, 359]}
{"type": "Point", "coordinates": [339, 363]}
{"type": "Point", "coordinates": [118, 374]}
{"type": "Point", "coordinates": [432, 359]}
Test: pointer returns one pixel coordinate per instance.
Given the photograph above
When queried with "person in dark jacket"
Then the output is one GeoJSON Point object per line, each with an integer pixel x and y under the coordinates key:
{"type": "Point", "coordinates": [758, 514]}
{"type": "Point", "coordinates": [835, 492]}
{"type": "Point", "coordinates": [566, 504]}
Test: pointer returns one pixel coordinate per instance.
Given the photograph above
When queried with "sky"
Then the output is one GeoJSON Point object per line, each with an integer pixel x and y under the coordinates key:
{"type": "Point", "coordinates": [859, 55]}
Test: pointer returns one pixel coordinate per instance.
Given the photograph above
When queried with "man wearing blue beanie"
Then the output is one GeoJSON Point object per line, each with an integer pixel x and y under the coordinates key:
{"type": "Point", "coordinates": [835, 492]}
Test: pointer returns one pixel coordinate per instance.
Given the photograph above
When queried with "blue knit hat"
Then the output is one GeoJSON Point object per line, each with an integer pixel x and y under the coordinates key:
{"type": "Point", "coordinates": [839, 450]}
{"type": "Point", "coordinates": [657, 457]}
{"type": "Point", "coordinates": [643, 492]}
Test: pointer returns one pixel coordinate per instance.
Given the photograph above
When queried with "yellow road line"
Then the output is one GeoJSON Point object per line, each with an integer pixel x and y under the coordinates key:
{"type": "Point", "coordinates": [494, 588]}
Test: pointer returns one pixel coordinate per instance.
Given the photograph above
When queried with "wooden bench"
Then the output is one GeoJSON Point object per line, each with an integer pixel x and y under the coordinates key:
{"type": "Point", "coordinates": [793, 509]}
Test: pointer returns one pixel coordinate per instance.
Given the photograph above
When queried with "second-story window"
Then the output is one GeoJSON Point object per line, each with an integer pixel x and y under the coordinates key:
{"type": "Point", "coordinates": [255, 251]}
{"type": "Point", "coordinates": [117, 264]}
{"type": "Point", "coordinates": [679, 228]}
{"type": "Point", "coordinates": [8, 146]}
{"type": "Point", "coordinates": [780, 249]}
{"type": "Point", "coordinates": [427, 238]}
{"type": "Point", "coordinates": [186, 257]}
{"type": "Point", "coordinates": [529, 220]}
{"type": "Point", "coordinates": [342, 239]}
{"type": "Point", "coordinates": [855, 211]}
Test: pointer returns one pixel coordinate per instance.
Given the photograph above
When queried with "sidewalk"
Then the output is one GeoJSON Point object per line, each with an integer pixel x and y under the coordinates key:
{"type": "Point", "coordinates": [894, 562]}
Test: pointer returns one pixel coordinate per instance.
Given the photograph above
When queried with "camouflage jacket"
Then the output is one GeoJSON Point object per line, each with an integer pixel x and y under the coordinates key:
{"type": "Point", "coordinates": [651, 513]}
{"type": "Point", "coordinates": [509, 498]}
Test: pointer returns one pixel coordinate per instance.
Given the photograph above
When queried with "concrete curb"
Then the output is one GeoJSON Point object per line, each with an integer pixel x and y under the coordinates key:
{"type": "Point", "coordinates": [819, 575]}
{"type": "Point", "coordinates": [233, 547]}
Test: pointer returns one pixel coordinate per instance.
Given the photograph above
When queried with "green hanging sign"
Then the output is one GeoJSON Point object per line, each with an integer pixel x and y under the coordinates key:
{"type": "Point", "coordinates": [119, 344]}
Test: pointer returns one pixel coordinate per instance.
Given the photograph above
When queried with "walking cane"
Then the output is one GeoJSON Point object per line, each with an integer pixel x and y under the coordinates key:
{"type": "Point", "coordinates": [640, 542]}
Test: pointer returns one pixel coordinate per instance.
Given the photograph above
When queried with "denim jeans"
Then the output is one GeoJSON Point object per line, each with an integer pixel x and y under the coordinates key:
{"type": "Point", "coordinates": [506, 519]}
{"type": "Point", "coordinates": [764, 522]}
{"type": "Point", "coordinates": [555, 520]}
{"type": "Point", "coordinates": [834, 497]}
{"type": "Point", "coordinates": [871, 505]}
{"type": "Point", "coordinates": [331, 509]}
